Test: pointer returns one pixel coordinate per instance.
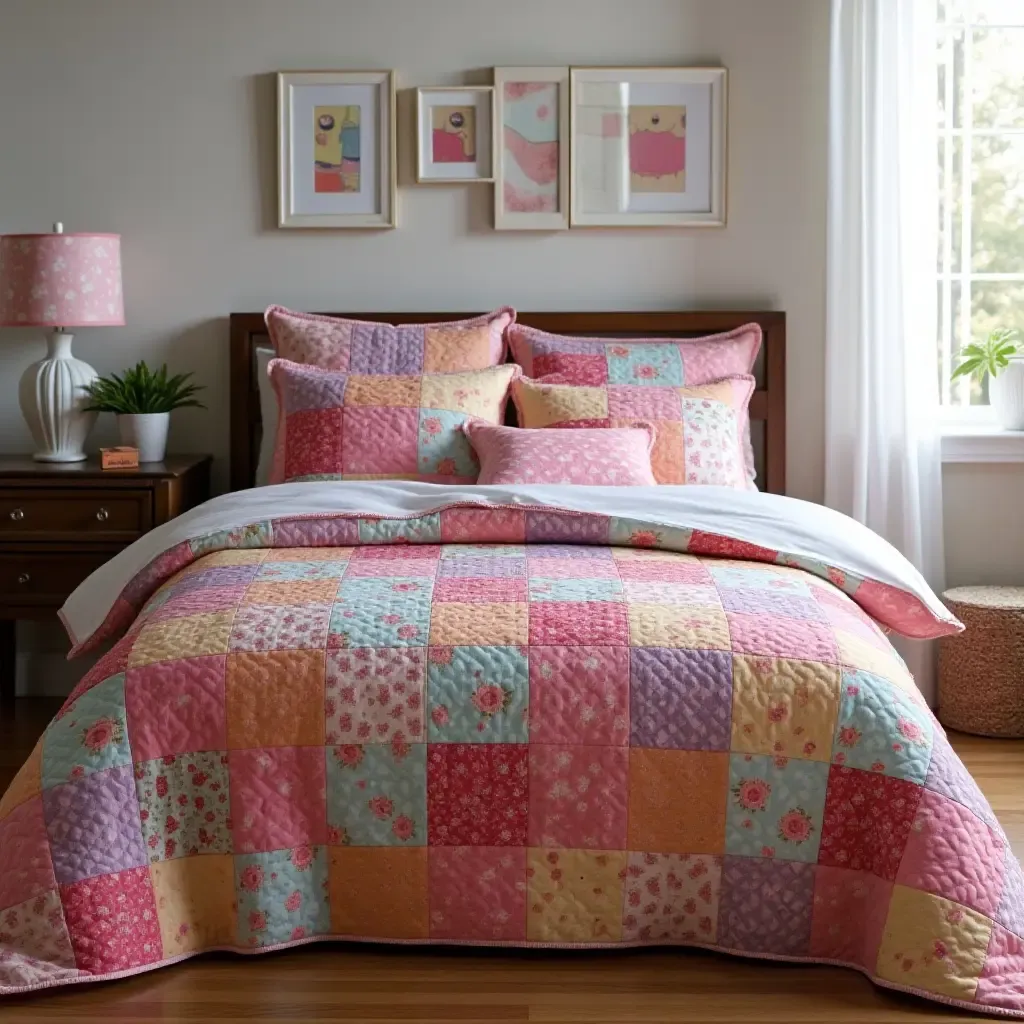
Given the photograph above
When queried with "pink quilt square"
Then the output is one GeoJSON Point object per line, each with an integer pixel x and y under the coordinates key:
{"type": "Point", "coordinates": [477, 794]}
{"type": "Point", "coordinates": [483, 526]}
{"type": "Point", "coordinates": [782, 637]}
{"type": "Point", "coordinates": [867, 822]}
{"type": "Point", "coordinates": [582, 369]}
{"type": "Point", "coordinates": [628, 402]}
{"type": "Point", "coordinates": [26, 868]}
{"type": "Point", "coordinates": [578, 624]}
{"type": "Point", "coordinates": [571, 568]}
{"type": "Point", "coordinates": [579, 695]}
{"type": "Point", "coordinates": [478, 892]}
{"type": "Point", "coordinates": [657, 570]}
{"type": "Point", "coordinates": [500, 590]}
{"type": "Point", "coordinates": [952, 853]}
{"type": "Point", "coordinates": [278, 798]}
{"type": "Point", "coordinates": [850, 909]}
{"type": "Point", "coordinates": [1002, 980]}
{"type": "Point", "coordinates": [112, 921]}
{"type": "Point", "coordinates": [578, 797]}
{"type": "Point", "coordinates": [314, 443]}
{"type": "Point", "coordinates": [380, 440]}
{"type": "Point", "coordinates": [176, 706]}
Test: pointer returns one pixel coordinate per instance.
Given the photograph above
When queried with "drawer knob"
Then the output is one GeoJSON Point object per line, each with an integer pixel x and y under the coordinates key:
{"type": "Point", "coordinates": [24, 578]}
{"type": "Point", "coordinates": [103, 515]}
{"type": "Point", "coordinates": [18, 514]}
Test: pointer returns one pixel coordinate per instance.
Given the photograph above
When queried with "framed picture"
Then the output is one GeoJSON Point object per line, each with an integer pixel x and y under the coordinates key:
{"type": "Point", "coordinates": [531, 165]}
{"type": "Point", "coordinates": [648, 147]}
{"type": "Point", "coordinates": [336, 149]}
{"type": "Point", "coordinates": [455, 133]}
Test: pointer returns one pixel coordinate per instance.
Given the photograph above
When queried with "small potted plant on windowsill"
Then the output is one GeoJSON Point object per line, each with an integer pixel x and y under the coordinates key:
{"type": "Point", "coordinates": [1001, 356]}
{"type": "Point", "coordinates": [143, 401]}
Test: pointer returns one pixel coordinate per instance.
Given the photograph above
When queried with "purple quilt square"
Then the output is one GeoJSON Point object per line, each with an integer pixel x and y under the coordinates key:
{"type": "Point", "coordinates": [93, 825]}
{"type": "Point", "coordinates": [948, 776]}
{"type": "Point", "coordinates": [758, 602]}
{"type": "Point", "coordinates": [316, 532]}
{"type": "Point", "coordinates": [304, 389]}
{"type": "Point", "coordinates": [381, 348]}
{"type": "Point", "coordinates": [562, 527]}
{"type": "Point", "coordinates": [216, 576]}
{"type": "Point", "coordinates": [1010, 912]}
{"type": "Point", "coordinates": [766, 906]}
{"type": "Point", "coordinates": [482, 567]}
{"type": "Point", "coordinates": [680, 699]}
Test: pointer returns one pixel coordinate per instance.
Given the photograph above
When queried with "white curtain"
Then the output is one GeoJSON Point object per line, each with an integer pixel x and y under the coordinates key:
{"type": "Point", "coordinates": [883, 464]}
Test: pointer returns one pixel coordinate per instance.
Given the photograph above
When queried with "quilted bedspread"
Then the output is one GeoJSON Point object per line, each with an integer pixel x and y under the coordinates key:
{"type": "Point", "coordinates": [507, 725]}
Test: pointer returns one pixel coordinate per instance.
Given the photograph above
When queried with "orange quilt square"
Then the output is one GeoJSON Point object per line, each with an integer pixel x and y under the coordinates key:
{"type": "Point", "coordinates": [275, 698]}
{"type": "Point", "coordinates": [677, 800]}
{"type": "Point", "coordinates": [379, 891]}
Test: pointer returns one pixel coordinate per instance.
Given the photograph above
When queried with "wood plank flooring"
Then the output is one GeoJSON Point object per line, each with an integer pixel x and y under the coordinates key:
{"type": "Point", "coordinates": [343, 982]}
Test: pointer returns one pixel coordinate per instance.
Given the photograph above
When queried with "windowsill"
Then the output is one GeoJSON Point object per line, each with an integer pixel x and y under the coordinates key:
{"type": "Point", "coordinates": [981, 442]}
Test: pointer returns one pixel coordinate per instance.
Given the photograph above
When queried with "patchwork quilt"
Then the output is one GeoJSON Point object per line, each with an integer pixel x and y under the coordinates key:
{"type": "Point", "coordinates": [504, 725]}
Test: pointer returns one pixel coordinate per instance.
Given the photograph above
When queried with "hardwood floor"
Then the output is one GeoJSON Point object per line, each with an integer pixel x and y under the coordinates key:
{"type": "Point", "coordinates": [343, 982]}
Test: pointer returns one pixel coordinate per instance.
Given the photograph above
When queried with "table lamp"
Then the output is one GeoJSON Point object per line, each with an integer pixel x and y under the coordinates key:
{"type": "Point", "coordinates": [59, 281]}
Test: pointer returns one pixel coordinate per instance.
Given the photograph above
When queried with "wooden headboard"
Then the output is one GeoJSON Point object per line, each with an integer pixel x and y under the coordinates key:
{"type": "Point", "coordinates": [767, 407]}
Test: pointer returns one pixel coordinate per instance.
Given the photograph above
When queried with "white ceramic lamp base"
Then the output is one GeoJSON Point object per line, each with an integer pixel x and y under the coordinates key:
{"type": "Point", "coordinates": [53, 399]}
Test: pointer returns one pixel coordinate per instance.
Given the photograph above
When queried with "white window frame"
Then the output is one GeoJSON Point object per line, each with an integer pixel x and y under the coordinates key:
{"type": "Point", "coordinates": [966, 422]}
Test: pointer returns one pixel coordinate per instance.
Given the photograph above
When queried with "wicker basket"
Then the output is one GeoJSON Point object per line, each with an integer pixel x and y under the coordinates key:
{"type": "Point", "coordinates": [981, 671]}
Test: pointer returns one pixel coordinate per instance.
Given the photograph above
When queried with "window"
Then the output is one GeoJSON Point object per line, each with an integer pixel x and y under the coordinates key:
{"type": "Point", "coordinates": [981, 184]}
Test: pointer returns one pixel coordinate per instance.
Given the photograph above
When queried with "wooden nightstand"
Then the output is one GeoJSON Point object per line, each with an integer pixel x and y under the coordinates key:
{"type": "Point", "coordinates": [60, 521]}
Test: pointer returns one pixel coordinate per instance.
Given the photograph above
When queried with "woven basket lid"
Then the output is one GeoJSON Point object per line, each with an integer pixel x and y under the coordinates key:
{"type": "Point", "coordinates": [1004, 598]}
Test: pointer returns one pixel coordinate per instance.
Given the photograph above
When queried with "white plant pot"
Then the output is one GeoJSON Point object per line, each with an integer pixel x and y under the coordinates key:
{"type": "Point", "coordinates": [147, 432]}
{"type": "Point", "coordinates": [1006, 393]}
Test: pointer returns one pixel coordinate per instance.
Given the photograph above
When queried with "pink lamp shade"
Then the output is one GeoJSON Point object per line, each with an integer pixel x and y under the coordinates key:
{"type": "Point", "coordinates": [57, 280]}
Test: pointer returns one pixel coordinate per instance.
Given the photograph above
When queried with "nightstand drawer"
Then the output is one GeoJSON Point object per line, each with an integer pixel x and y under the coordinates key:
{"type": "Point", "coordinates": [102, 515]}
{"type": "Point", "coordinates": [45, 579]}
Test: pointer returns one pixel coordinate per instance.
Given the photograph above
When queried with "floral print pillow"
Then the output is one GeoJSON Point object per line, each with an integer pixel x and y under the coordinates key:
{"type": "Point", "coordinates": [701, 433]}
{"type": "Point", "coordinates": [381, 426]}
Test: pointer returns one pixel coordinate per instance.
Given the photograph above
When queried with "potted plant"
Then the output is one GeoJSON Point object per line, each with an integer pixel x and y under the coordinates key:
{"type": "Point", "coordinates": [143, 401]}
{"type": "Point", "coordinates": [1001, 356]}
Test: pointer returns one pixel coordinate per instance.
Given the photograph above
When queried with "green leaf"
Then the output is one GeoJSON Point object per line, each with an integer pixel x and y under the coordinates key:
{"type": "Point", "coordinates": [990, 356]}
{"type": "Point", "coordinates": [142, 390]}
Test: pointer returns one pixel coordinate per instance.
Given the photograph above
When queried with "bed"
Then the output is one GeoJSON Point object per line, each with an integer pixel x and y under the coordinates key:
{"type": "Point", "coordinates": [508, 715]}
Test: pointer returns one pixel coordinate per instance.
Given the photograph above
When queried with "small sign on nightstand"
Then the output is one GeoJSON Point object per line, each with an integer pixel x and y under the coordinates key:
{"type": "Point", "coordinates": [119, 458]}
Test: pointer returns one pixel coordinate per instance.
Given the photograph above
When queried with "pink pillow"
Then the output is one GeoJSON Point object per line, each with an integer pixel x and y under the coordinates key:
{"type": "Point", "coordinates": [512, 455]}
{"type": "Point", "coordinates": [644, 362]}
{"type": "Point", "coordinates": [348, 426]}
{"type": "Point", "coordinates": [700, 432]}
{"type": "Point", "coordinates": [361, 346]}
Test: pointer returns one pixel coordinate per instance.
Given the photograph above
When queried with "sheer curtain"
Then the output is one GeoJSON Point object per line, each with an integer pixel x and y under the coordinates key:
{"type": "Point", "coordinates": [883, 464]}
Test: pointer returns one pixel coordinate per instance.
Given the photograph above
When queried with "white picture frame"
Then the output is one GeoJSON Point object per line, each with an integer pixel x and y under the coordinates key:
{"type": "Point", "coordinates": [458, 122]}
{"type": "Point", "coordinates": [648, 147]}
{"type": "Point", "coordinates": [323, 118]}
{"type": "Point", "coordinates": [531, 161]}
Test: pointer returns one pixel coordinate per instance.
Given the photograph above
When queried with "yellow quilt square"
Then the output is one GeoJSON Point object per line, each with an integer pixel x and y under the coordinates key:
{"type": "Point", "coordinates": [455, 625]}
{"type": "Point", "coordinates": [397, 391]}
{"type": "Point", "coordinates": [292, 592]}
{"type": "Point", "coordinates": [574, 895]}
{"type": "Point", "coordinates": [326, 554]}
{"type": "Point", "coordinates": [194, 902]}
{"type": "Point", "coordinates": [187, 637]}
{"type": "Point", "coordinates": [275, 698]}
{"type": "Point", "coordinates": [26, 784]}
{"type": "Point", "coordinates": [479, 393]}
{"type": "Point", "coordinates": [785, 707]}
{"type": "Point", "coordinates": [240, 556]}
{"type": "Point", "coordinates": [857, 653]}
{"type": "Point", "coordinates": [540, 405]}
{"type": "Point", "coordinates": [447, 349]}
{"type": "Point", "coordinates": [379, 891]}
{"type": "Point", "coordinates": [933, 943]}
{"type": "Point", "coordinates": [693, 628]}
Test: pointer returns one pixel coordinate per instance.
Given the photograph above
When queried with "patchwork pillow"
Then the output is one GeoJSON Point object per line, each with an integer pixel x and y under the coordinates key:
{"type": "Point", "coordinates": [651, 362]}
{"type": "Point", "coordinates": [360, 346]}
{"type": "Point", "coordinates": [512, 455]}
{"type": "Point", "coordinates": [701, 432]}
{"type": "Point", "coordinates": [342, 426]}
